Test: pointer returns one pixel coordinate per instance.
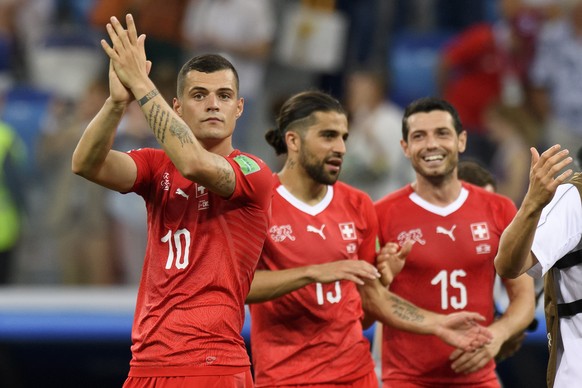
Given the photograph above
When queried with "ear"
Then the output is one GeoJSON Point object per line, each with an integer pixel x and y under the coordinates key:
{"type": "Point", "coordinates": [462, 141]}
{"type": "Point", "coordinates": [177, 105]}
{"type": "Point", "coordinates": [293, 141]}
{"type": "Point", "coordinates": [240, 107]}
{"type": "Point", "coordinates": [404, 146]}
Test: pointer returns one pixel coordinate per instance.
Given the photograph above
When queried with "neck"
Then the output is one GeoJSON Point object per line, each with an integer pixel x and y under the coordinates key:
{"type": "Point", "coordinates": [223, 147]}
{"type": "Point", "coordinates": [440, 192]}
{"type": "Point", "coordinates": [303, 187]}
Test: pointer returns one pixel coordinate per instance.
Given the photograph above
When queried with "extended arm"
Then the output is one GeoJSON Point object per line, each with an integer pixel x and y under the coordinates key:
{"type": "Point", "coordinates": [514, 255]}
{"type": "Point", "coordinates": [188, 155]}
{"type": "Point", "coordinates": [93, 157]}
{"type": "Point", "coordinates": [268, 285]}
{"type": "Point", "coordinates": [459, 329]}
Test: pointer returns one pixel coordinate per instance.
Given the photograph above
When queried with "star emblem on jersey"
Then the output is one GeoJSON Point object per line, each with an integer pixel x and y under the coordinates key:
{"type": "Point", "coordinates": [280, 233]}
{"type": "Point", "coordinates": [313, 229]}
{"type": "Point", "coordinates": [348, 230]}
{"type": "Point", "coordinates": [448, 232]}
{"type": "Point", "coordinates": [480, 231]}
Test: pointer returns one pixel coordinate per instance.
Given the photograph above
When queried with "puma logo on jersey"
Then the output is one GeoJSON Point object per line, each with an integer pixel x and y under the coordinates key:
{"type": "Point", "coordinates": [182, 193]}
{"type": "Point", "coordinates": [442, 230]}
{"type": "Point", "coordinates": [313, 229]}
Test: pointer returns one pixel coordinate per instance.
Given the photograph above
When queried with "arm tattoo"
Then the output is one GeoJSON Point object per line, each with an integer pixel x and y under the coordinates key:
{"type": "Point", "coordinates": [405, 310]}
{"type": "Point", "coordinates": [161, 122]}
{"type": "Point", "coordinates": [225, 179]}
{"type": "Point", "coordinates": [142, 101]}
{"type": "Point", "coordinates": [181, 131]}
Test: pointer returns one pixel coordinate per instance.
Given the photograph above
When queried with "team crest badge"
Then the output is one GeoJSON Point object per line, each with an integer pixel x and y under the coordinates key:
{"type": "Point", "coordinates": [280, 233]}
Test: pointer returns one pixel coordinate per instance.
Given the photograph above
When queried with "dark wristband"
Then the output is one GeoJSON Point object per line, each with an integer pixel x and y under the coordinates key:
{"type": "Point", "coordinates": [142, 101]}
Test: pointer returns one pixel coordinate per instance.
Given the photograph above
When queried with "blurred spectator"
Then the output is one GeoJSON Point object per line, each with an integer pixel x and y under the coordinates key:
{"type": "Point", "coordinates": [7, 43]}
{"type": "Point", "coordinates": [161, 21]}
{"type": "Point", "coordinates": [127, 211]}
{"type": "Point", "coordinates": [375, 162]}
{"type": "Point", "coordinates": [76, 216]}
{"type": "Point", "coordinates": [12, 162]}
{"type": "Point", "coordinates": [513, 130]}
{"type": "Point", "coordinates": [243, 31]}
{"type": "Point", "coordinates": [487, 63]}
{"type": "Point", "coordinates": [557, 76]}
{"type": "Point", "coordinates": [473, 172]}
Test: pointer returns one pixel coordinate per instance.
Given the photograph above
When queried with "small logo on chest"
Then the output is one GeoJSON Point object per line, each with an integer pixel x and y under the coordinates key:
{"type": "Point", "coordinates": [182, 193]}
{"type": "Point", "coordinates": [443, 230]}
{"type": "Point", "coordinates": [313, 229]}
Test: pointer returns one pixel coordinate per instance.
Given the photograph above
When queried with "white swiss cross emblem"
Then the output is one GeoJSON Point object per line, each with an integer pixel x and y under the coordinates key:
{"type": "Point", "coordinates": [348, 230]}
{"type": "Point", "coordinates": [200, 190]}
{"type": "Point", "coordinates": [480, 231]}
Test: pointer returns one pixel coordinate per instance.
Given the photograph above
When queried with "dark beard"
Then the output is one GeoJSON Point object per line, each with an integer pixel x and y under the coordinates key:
{"type": "Point", "coordinates": [317, 171]}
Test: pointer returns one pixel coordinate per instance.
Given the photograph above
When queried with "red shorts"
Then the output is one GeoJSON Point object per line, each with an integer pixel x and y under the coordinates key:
{"type": "Point", "coordinates": [239, 380]}
{"type": "Point", "coordinates": [367, 381]}
{"type": "Point", "coordinates": [412, 384]}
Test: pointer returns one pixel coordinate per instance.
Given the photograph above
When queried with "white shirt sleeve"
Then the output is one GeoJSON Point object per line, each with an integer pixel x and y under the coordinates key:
{"type": "Point", "coordinates": [559, 229]}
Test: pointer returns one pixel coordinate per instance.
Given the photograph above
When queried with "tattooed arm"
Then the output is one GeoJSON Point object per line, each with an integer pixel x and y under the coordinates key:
{"type": "Point", "coordinates": [459, 329]}
{"type": "Point", "coordinates": [189, 156]}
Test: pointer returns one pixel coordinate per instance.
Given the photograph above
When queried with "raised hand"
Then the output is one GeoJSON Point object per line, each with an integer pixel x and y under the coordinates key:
{"type": "Point", "coordinates": [127, 55]}
{"type": "Point", "coordinates": [543, 181]}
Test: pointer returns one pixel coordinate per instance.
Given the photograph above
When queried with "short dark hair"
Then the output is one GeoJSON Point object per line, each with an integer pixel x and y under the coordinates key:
{"type": "Point", "coordinates": [295, 111]}
{"type": "Point", "coordinates": [205, 63]}
{"type": "Point", "coordinates": [429, 104]}
{"type": "Point", "coordinates": [475, 173]}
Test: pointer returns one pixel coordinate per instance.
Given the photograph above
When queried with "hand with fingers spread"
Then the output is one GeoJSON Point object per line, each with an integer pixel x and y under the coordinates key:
{"type": "Point", "coordinates": [543, 179]}
{"type": "Point", "coordinates": [128, 57]}
{"type": "Point", "coordinates": [391, 260]}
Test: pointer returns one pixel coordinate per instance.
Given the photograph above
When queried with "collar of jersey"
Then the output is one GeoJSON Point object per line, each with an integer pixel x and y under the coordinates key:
{"type": "Point", "coordinates": [309, 209]}
{"type": "Point", "coordinates": [441, 211]}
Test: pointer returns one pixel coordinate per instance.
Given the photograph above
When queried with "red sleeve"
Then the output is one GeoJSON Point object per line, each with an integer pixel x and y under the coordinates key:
{"type": "Point", "coordinates": [254, 181]}
{"type": "Point", "coordinates": [147, 161]}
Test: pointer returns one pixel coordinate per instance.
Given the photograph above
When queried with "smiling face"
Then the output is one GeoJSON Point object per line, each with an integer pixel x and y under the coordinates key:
{"type": "Point", "coordinates": [433, 145]}
{"type": "Point", "coordinates": [210, 105]}
{"type": "Point", "coordinates": [322, 146]}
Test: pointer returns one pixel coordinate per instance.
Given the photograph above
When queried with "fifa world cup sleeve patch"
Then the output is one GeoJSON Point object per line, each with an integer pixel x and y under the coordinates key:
{"type": "Point", "coordinates": [247, 165]}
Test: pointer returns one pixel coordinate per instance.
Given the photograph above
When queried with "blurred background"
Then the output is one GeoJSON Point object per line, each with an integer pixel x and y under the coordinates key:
{"type": "Point", "coordinates": [71, 251]}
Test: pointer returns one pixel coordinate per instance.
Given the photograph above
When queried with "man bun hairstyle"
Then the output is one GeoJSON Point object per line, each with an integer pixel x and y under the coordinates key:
{"type": "Point", "coordinates": [296, 113]}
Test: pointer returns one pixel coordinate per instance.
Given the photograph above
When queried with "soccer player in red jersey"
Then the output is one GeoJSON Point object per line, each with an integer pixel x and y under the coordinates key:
{"type": "Point", "coordinates": [208, 207]}
{"type": "Point", "coordinates": [317, 269]}
{"type": "Point", "coordinates": [455, 229]}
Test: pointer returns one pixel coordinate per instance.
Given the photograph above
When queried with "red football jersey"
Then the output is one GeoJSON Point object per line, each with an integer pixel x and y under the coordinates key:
{"type": "Point", "coordinates": [314, 335]}
{"type": "Point", "coordinates": [449, 269]}
{"type": "Point", "coordinates": [201, 255]}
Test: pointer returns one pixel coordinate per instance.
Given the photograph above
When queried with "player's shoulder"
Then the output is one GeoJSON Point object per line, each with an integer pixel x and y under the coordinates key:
{"type": "Point", "coordinates": [249, 163]}
{"type": "Point", "coordinates": [394, 198]}
{"type": "Point", "coordinates": [477, 193]}
{"type": "Point", "coordinates": [353, 193]}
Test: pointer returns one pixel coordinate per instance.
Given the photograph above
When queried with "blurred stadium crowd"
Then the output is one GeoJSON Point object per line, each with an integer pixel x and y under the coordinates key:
{"type": "Point", "coordinates": [513, 69]}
